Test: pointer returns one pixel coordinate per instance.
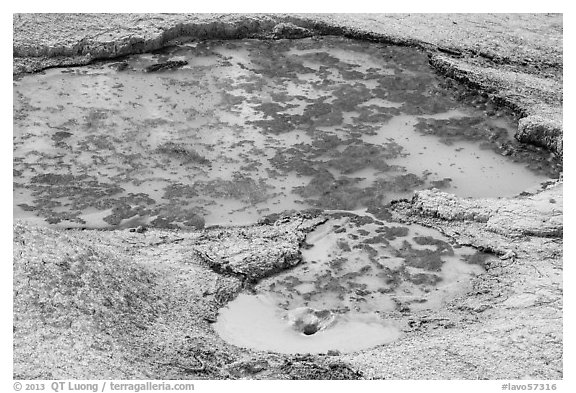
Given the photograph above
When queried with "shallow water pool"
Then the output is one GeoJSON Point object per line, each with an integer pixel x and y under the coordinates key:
{"type": "Point", "coordinates": [224, 132]}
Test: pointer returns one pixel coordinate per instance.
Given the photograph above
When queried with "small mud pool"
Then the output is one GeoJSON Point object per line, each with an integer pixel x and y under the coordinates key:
{"type": "Point", "coordinates": [253, 321]}
{"type": "Point", "coordinates": [224, 132]}
{"type": "Point", "coordinates": [359, 281]}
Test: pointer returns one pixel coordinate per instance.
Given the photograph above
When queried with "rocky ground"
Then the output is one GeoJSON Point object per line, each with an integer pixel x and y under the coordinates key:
{"type": "Point", "coordinates": [121, 304]}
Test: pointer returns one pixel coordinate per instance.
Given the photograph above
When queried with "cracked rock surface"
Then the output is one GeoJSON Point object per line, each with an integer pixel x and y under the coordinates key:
{"type": "Point", "coordinates": [256, 252]}
{"type": "Point", "coordinates": [538, 215]}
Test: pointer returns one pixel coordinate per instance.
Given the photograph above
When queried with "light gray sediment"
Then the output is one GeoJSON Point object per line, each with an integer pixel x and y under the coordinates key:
{"type": "Point", "coordinates": [121, 304]}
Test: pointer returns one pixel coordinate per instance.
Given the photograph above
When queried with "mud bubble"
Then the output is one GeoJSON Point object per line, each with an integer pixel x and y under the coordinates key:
{"type": "Point", "coordinates": [360, 280]}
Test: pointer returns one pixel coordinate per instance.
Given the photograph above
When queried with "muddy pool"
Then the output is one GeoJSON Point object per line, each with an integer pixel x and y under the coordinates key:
{"type": "Point", "coordinates": [360, 280]}
{"type": "Point", "coordinates": [225, 132]}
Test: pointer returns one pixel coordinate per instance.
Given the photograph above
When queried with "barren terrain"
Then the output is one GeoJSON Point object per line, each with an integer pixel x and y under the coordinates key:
{"type": "Point", "coordinates": [129, 304]}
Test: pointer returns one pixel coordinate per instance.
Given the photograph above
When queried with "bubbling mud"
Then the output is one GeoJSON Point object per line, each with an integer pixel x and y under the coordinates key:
{"type": "Point", "coordinates": [359, 280]}
{"type": "Point", "coordinates": [255, 322]}
{"type": "Point", "coordinates": [224, 132]}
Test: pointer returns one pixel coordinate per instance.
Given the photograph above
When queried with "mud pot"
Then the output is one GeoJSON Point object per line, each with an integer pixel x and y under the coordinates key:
{"type": "Point", "coordinates": [225, 132]}
{"type": "Point", "coordinates": [359, 280]}
{"type": "Point", "coordinates": [289, 203]}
